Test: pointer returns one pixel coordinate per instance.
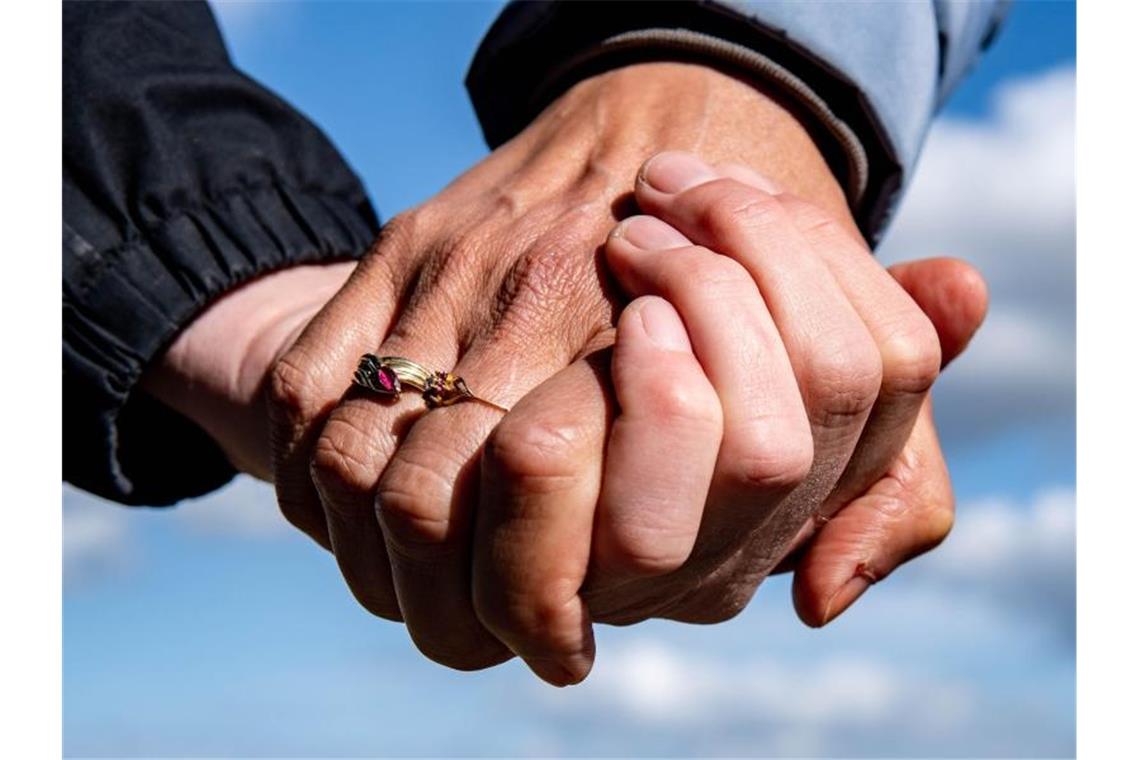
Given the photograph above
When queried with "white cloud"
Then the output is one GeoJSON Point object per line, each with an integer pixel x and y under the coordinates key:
{"type": "Point", "coordinates": [102, 539]}
{"type": "Point", "coordinates": [96, 538]}
{"type": "Point", "coordinates": [656, 682]}
{"type": "Point", "coordinates": [1022, 557]}
{"type": "Point", "coordinates": [246, 507]}
{"type": "Point", "coordinates": [967, 650]}
{"type": "Point", "coordinates": [696, 701]}
{"type": "Point", "coordinates": [1001, 194]}
{"type": "Point", "coordinates": [994, 536]}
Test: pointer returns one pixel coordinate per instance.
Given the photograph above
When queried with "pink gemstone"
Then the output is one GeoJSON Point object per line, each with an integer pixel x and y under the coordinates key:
{"type": "Point", "coordinates": [386, 381]}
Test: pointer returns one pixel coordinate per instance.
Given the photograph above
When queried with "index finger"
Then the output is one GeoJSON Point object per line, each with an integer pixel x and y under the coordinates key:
{"type": "Point", "coordinates": [308, 381]}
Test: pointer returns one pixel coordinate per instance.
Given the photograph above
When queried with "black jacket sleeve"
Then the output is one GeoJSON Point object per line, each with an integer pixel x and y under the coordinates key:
{"type": "Point", "coordinates": [182, 178]}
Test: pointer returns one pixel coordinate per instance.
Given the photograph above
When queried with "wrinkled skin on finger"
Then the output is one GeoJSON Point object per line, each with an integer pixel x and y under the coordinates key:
{"type": "Point", "coordinates": [906, 512]}
{"type": "Point", "coordinates": [540, 472]}
{"type": "Point", "coordinates": [498, 278]}
{"type": "Point", "coordinates": [910, 510]}
{"type": "Point", "coordinates": [897, 463]}
{"type": "Point", "coordinates": [501, 278]}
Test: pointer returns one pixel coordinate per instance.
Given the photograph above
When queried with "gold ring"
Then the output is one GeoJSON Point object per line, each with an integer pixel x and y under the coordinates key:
{"type": "Point", "coordinates": [388, 375]}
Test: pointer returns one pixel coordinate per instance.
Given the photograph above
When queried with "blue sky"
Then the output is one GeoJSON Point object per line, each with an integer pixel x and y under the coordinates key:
{"type": "Point", "coordinates": [213, 630]}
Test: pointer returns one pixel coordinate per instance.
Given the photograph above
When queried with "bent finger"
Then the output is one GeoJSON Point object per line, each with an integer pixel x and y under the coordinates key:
{"type": "Point", "coordinates": [358, 440]}
{"type": "Point", "coordinates": [427, 497]}
{"type": "Point", "coordinates": [662, 450]}
{"type": "Point", "coordinates": [906, 513]}
{"type": "Point", "coordinates": [541, 476]}
{"type": "Point", "coordinates": [766, 447]}
{"type": "Point", "coordinates": [954, 297]}
{"type": "Point", "coordinates": [906, 340]}
{"type": "Point", "coordinates": [835, 358]}
{"type": "Point", "coordinates": [308, 381]}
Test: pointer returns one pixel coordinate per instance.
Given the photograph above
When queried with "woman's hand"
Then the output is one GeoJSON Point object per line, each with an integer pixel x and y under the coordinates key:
{"type": "Point", "coordinates": [817, 363]}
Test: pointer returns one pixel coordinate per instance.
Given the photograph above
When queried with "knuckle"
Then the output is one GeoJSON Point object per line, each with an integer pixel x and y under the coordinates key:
{"type": "Point", "coordinates": [686, 405]}
{"type": "Point", "coordinates": [534, 614]}
{"type": "Point", "coordinates": [893, 509]}
{"type": "Point", "coordinates": [337, 466]}
{"type": "Point", "coordinates": [545, 272]}
{"type": "Point", "coordinates": [911, 358]}
{"type": "Point", "coordinates": [291, 391]}
{"type": "Point", "coordinates": [774, 468]}
{"type": "Point", "coordinates": [937, 523]}
{"type": "Point", "coordinates": [729, 205]}
{"type": "Point", "coordinates": [403, 229]}
{"type": "Point", "coordinates": [822, 226]}
{"type": "Point", "coordinates": [810, 217]}
{"type": "Point", "coordinates": [777, 456]}
{"type": "Point", "coordinates": [818, 223]}
{"type": "Point", "coordinates": [396, 245]}
{"type": "Point", "coordinates": [842, 378]}
{"type": "Point", "coordinates": [547, 622]}
{"type": "Point", "coordinates": [710, 608]}
{"type": "Point", "coordinates": [412, 504]}
{"type": "Point", "coordinates": [922, 524]}
{"type": "Point", "coordinates": [650, 549]}
{"type": "Point", "coordinates": [704, 271]}
{"type": "Point", "coordinates": [533, 619]}
{"type": "Point", "coordinates": [546, 281]}
{"type": "Point", "coordinates": [535, 451]}
{"type": "Point", "coordinates": [448, 268]}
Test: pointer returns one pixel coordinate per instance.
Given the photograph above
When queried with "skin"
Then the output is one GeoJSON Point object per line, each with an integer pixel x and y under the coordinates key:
{"type": "Point", "coordinates": [448, 521]}
{"type": "Point", "coordinates": [684, 536]}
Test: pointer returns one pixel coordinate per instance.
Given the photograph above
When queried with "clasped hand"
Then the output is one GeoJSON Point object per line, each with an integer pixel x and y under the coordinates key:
{"type": "Point", "coordinates": [721, 386]}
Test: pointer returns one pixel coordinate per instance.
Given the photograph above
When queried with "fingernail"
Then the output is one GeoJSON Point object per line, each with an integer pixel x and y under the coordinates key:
{"type": "Point", "coordinates": [650, 234]}
{"type": "Point", "coordinates": [674, 172]}
{"type": "Point", "coordinates": [845, 597]}
{"type": "Point", "coordinates": [662, 325]}
{"type": "Point", "coordinates": [749, 176]}
{"type": "Point", "coordinates": [563, 672]}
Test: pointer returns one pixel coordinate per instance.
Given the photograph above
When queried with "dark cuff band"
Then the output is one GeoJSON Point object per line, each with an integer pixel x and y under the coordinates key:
{"type": "Point", "coordinates": [122, 307]}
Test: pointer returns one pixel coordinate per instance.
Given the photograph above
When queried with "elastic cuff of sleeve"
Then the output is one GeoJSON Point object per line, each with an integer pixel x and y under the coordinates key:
{"type": "Point", "coordinates": [534, 53]}
{"type": "Point", "coordinates": [123, 307]}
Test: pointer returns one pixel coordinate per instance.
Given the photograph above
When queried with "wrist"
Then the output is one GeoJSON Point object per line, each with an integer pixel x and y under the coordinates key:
{"type": "Point", "coordinates": [215, 370]}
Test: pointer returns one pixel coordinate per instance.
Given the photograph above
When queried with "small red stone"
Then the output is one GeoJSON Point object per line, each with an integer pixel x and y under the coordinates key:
{"type": "Point", "coordinates": [386, 381]}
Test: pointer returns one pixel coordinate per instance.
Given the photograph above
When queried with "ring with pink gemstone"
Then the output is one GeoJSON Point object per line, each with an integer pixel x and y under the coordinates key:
{"type": "Point", "coordinates": [389, 375]}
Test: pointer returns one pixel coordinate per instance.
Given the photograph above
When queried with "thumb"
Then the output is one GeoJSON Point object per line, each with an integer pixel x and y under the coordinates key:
{"type": "Point", "coordinates": [953, 295]}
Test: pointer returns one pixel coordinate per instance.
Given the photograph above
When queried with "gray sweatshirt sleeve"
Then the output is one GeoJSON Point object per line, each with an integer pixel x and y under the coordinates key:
{"type": "Point", "coordinates": [866, 78]}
